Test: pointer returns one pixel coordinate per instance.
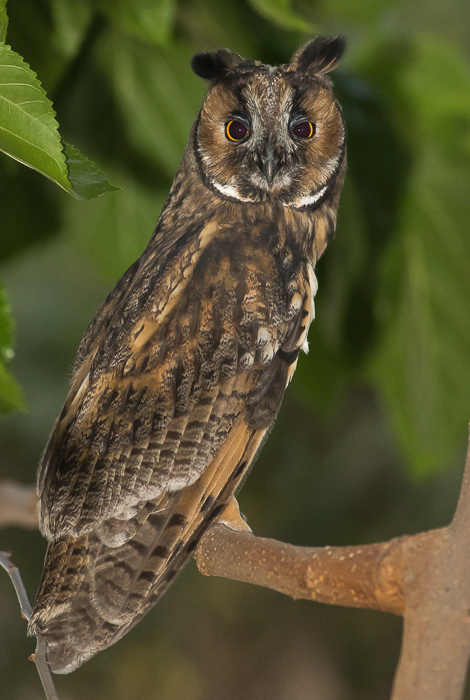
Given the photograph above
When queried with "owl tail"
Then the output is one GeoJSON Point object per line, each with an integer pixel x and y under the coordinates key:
{"type": "Point", "coordinates": [92, 593]}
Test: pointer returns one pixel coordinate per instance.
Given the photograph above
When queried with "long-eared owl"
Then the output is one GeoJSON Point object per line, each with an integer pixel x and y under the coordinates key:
{"type": "Point", "coordinates": [184, 367]}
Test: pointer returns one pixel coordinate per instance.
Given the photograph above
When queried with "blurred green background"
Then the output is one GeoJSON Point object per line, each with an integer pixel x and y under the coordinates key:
{"type": "Point", "coordinates": [370, 441]}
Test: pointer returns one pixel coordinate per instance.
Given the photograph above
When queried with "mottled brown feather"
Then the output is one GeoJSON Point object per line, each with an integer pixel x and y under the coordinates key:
{"type": "Point", "coordinates": [184, 367]}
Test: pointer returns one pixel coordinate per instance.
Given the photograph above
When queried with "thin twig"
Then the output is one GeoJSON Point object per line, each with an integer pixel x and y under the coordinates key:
{"type": "Point", "coordinates": [39, 657]}
{"type": "Point", "coordinates": [14, 573]}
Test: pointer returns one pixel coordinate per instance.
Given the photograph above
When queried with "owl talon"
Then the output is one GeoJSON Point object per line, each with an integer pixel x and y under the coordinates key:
{"type": "Point", "coordinates": [232, 518]}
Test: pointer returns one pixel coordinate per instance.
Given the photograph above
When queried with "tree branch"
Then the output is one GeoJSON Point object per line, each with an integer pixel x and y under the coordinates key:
{"type": "Point", "coordinates": [424, 577]}
{"type": "Point", "coordinates": [436, 637]}
{"type": "Point", "coordinates": [18, 504]}
{"type": "Point", "coordinates": [360, 577]}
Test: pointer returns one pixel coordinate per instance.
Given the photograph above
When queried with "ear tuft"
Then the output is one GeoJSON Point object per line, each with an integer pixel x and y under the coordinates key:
{"type": "Point", "coordinates": [216, 64]}
{"type": "Point", "coordinates": [319, 56]}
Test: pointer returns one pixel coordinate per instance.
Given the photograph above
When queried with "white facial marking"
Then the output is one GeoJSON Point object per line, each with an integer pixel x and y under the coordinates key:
{"type": "Point", "coordinates": [308, 200]}
{"type": "Point", "coordinates": [229, 191]}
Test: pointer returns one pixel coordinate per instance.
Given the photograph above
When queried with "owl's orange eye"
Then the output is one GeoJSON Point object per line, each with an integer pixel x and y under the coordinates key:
{"type": "Point", "coordinates": [304, 130]}
{"type": "Point", "coordinates": [236, 131]}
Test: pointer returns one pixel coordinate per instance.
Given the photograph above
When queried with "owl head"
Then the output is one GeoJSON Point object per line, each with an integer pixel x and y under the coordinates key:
{"type": "Point", "coordinates": [271, 133]}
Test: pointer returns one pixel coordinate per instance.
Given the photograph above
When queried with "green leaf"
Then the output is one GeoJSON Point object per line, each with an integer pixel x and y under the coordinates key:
{"type": "Point", "coordinates": [71, 21]}
{"type": "Point", "coordinates": [147, 19]}
{"type": "Point", "coordinates": [6, 328]}
{"type": "Point", "coordinates": [28, 129]}
{"type": "Point", "coordinates": [11, 398]}
{"type": "Point", "coordinates": [358, 12]}
{"type": "Point", "coordinates": [3, 21]}
{"type": "Point", "coordinates": [280, 12]}
{"type": "Point", "coordinates": [157, 95]}
{"type": "Point", "coordinates": [29, 132]}
{"type": "Point", "coordinates": [86, 179]}
{"type": "Point", "coordinates": [421, 362]}
{"type": "Point", "coordinates": [378, 166]}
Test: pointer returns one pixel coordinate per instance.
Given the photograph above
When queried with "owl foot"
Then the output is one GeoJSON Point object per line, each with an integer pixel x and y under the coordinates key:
{"type": "Point", "coordinates": [232, 517]}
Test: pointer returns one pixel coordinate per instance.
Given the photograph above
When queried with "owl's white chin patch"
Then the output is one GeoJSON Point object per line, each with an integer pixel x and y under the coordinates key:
{"type": "Point", "coordinates": [300, 203]}
{"type": "Point", "coordinates": [230, 191]}
{"type": "Point", "coordinates": [308, 200]}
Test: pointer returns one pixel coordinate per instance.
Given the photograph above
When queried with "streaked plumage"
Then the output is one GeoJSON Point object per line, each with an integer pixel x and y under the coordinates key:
{"type": "Point", "coordinates": [184, 367]}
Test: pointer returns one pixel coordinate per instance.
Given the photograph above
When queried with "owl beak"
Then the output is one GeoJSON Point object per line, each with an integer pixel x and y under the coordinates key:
{"type": "Point", "coordinates": [268, 167]}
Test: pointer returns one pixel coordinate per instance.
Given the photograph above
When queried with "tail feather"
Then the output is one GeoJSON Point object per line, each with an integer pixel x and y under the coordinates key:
{"type": "Point", "coordinates": [92, 593]}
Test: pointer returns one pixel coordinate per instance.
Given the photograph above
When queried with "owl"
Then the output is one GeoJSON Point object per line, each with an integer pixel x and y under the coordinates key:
{"type": "Point", "coordinates": [182, 372]}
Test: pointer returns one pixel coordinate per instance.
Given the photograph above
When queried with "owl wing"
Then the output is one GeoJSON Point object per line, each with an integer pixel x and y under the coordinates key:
{"type": "Point", "coordinates": [164, 417]}
{"type": "Point", "coordinates": [212, 336]}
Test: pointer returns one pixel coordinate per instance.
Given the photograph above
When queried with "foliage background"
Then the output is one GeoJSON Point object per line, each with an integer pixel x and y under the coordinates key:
{"type": "Point", "coordinates": [370, 440]}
